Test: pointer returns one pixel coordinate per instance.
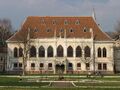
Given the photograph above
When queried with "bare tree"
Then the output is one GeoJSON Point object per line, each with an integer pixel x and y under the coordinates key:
{"type": "Point", "coordinates": [5, 30]}
{"type": "Point", "coordinates": [23, 40]}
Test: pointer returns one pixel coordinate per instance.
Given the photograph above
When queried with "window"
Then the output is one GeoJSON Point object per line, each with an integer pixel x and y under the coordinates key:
{"type": "Point", "coordinates": [50, 51]}
{"type": "Point", "coordinates": [41, 66]}
{"type": "Point", "coordinates": [50, 66]}
{"type": "Point", "coordinates": [60, 51]}
{"type": "Point", "coordinates": [85, 29]}
{"type": "Point", "coordinates": [41, 51]}
{"type": "Point", "coordinates": [71, 30]}
{"type": "Point", "coordinates": [70, 51]}
{"type": "Point", "coordinates": [20, 52]}
{"type": "Point", "coordinates": [78, 64]}
{"type": "Point", "coordinates": [78, 52]}
{"type": "Point", "coordinates": [15, 52]}
{"type": "Point", "coordinates": [48, 30]}
{"type": "Point", "coordinates": [70, 66]}
{"type": "Point", "coordinates": [99, 66]}
{"type": "Point", "coordinates": [15, 65]}
{"type": "Point", "coordinates": [99, 52]}
{"type": "Point", "coordinates": [104, 66]}
{"type": "Point", "coordinates": [87, 66]}
{"type": "Point", "coordinates": [32, 66]}
{"type": "Point", "coordinates": [36, 30]}
{"type": "Point", "coordinates": [104, 52]}
{"type": "Point", "coordinates": [87, 51]}
{"type": "Point", "coordinates": [53, 22]}
{"type": "Point", "coordinates": [77, 22]}
{"type": "Point", "coordinates": [20, 64]}
{"type": "Point", "coordinates": [65, 22]}
{"type": "Point", "coordinates": [32, 51]}
{"type": "Point", "coordinates": [61, 30]}
{"type": "Point", "coordinates": [42, 21]}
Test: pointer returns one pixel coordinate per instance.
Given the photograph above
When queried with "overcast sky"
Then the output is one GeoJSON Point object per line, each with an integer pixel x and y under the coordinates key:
{"type": "Point", "coordinates": [107, 11]}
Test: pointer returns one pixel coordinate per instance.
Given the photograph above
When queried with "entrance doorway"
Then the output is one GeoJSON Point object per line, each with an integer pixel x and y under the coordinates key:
{"type": "Point", "coordinates": [60, 68]}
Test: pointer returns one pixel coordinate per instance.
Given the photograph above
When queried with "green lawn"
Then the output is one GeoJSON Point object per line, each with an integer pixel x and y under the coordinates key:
{"type": "Point", "coordinates": [15, 81]}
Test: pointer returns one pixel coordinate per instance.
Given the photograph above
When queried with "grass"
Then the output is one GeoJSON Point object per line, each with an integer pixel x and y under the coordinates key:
{"type": "Point", "coordinates": [15, 81]}
{"type": "Point", "coordinates": [59, 88]}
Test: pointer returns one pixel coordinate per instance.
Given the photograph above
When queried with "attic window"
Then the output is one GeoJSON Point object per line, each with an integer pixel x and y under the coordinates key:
{"type": "Point", "coordinates": [42, 21]}
{"type": "Point", "coordinates": [71, 30]}
{"type": "Point", "coordinates": [85, 29]}
{"type": "Point", "coordinates": [61, 30]}
{"type": "Point", "coordinates": [65, 22]}
{"type": "Point", "coordinates": [48, 30]}
{"type": "Point", "coordinates": [53, 22]}
{"type": "Point", "coordinates": [35, 30]}
{"type": "Point", "coordinates": [77, 22]}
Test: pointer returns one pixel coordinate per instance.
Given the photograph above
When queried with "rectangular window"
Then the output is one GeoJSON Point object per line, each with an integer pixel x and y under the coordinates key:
{"type": "Point", "coordinates": [99, 66]}
{"type": "Point", "coordinates": [50, 66]}
{"type": "Point", "coordinates": [41, 66]}
{"type": "Point", "coordinates": [104, 66]}
{"type": "Point", "coordinates": [87, 66]}
{"type": "Point", "coordinates": [78, 66]}
{"type": "Point", "coordinates": [15, 65]}
{"type": "Point", "coordinates": [20, 64]}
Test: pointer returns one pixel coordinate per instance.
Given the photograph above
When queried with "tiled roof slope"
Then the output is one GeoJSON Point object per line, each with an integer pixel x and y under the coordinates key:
{"type": "Point", "coordinates": [40, 25]}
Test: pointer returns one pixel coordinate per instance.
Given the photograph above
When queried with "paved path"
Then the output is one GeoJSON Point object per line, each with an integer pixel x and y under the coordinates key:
{"type": "Point", "coordinates": [61, 85]}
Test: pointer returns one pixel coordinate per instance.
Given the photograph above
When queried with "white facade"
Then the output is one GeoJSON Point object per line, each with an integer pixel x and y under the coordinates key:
{"type": "Point", "coordinates": [93, 60]}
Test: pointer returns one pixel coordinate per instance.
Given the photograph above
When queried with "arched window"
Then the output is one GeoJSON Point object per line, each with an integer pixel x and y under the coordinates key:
{"type": "Point", "coordinates": [99, 52]}
{"type": "Point", "coordinates": [32, 51]}
{"type": "Point", "coordinates": [41, 51]}
{"type": "Point", "coordinates": [87, 51]}
{"type": "Point", "coordinates": [15, 52]}
{"type": "Point", "coordinates": [20, 52]}
{"type": "Point", "coordinates": [50, 51]}
{"type": "Point", "coordinates": [78, 52]}
{"type": "Point", "coordinates": [70, 51]}
{"type": "Point", "coordinates": [59, 51]}
{"type": "Point", "coordinates": [104, 52]}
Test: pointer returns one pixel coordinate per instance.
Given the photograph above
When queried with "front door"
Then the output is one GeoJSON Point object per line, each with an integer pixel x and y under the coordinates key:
{"type": "Point", "coordinates": [60, 68]}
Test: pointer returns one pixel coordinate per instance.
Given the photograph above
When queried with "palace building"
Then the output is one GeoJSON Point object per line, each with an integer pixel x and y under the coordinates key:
{"type": "Point", "coordinates": [60, 45]}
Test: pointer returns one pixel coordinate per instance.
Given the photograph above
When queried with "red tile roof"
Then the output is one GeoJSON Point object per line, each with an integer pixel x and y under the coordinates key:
{"type": "Point", "coordinates": [39, 27]}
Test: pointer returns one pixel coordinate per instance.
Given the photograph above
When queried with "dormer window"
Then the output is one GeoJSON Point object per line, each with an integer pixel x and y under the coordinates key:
{"type": "Point", "coordinates": [77, 22]}
{"type": "Point", "coordinates": [53, 22]}
{"type": "Point", "coordinates": [71, 30]}
{"type": "Point", "coordinates": [48, 30]}
{"type": "Point", "coordinates": [42, 21]}
{"type": "Point", "coordinates": [61, 30]}
{"type": "Point", "coordinates": [65, 22]}
{"type": "Point", "coordinates": [35, 30]}
{"type": "Point", "coordinates": [85, 29]}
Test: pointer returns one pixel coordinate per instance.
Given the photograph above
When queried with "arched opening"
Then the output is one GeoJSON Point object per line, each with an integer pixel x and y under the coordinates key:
{"type": "Point", "coordinates": [41, 51]}
{"type": "Point", "coordinates": [20, 52]}
{"type": "Point", "coordinates": [99, 52]}
{"type": "Point", "coordinates": [50, 51]}
{"type": "Point", "coordinates": [60, 68]}
{"type": "Point", "coordinates": [32, 51]}
{"type": "Point", "coordinates": [15, 52]}
{"type": "Point", "coordinates": [104, 52]}
{"type": "Point", "coordinates": [87, 51]}
{"type": "Point", "coordinates": [69, 51]}
{"type": "Point", "coordinates": [78, 52]}
{"type": "Point", "coordinates": [59, 51]}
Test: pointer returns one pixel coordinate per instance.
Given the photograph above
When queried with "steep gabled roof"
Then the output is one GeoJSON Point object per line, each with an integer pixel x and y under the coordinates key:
{"type": "Point", "coordinates": [48, 27]}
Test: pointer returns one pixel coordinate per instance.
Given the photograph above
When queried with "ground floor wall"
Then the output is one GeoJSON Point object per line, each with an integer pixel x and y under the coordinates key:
{"type": "Point", "coordinates": [63, 66]}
